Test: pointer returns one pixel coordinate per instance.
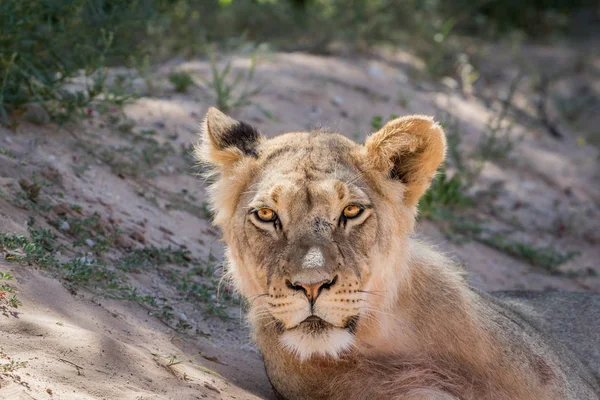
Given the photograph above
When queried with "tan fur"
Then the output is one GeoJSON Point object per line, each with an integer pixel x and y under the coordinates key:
{"type": "Point", "coordinates": [417, 143]}
{"type": "Point", "coordinates": [397, 319]}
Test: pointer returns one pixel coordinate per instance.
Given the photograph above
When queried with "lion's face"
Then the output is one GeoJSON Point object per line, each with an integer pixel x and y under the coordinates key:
{"type": "Point", "coordinates": [313, 223]}
{"type": "Point", "coordinates": [304, 232]}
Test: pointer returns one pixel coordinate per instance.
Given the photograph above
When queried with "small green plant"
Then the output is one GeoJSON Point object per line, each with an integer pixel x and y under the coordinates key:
{"type": "Point", "coordinates": [138, 159]}
{"type": "Point", "coordinates": [232, 90]}
{"type": "Point", "coordinates": [141, 259]}
{"type": "Point", "coordinates": [497, 140]}
{"type": "Point", "coordinates": [205, 291]}
{"type": "Point", "coordinates": [495, 144]}
{"type": "Point", "coordinates": [14, 302]}
{"type": "Point", "coordinates": [444, 193]}
{"type": "Point", "coordinates": [5, 276]}
{"type": "Point", "coordinates": [131, 293]}
{"type": "Point", "coordinates": [12, 366]}
{"type": "Point", "coordinates": [45, 45]}
{"type": "Point", "coordinates": [6, 152]}
{"type": "Point", "coordinates": [81, 270]}
{"type": "Point", "coordinates": [544, 257]}
{"type": "Point", "coordinates": [144, 70]}
{"type": "Point", "coordinates": [38, 250]}
{"type": "Point", "coordinates": [90, 231]}
{"type": "Point", "coordinates": [377, 121]}
{"type": "Point", "coordinates": [171, 360]}
{"type": "Point", "coordinates": [181, 80]}
{"type": "Point", "coordinates": [6, 290]}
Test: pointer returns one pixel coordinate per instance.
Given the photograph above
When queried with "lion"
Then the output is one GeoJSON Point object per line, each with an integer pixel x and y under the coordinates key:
{"type": "Point", "coordinates": [345, 303]}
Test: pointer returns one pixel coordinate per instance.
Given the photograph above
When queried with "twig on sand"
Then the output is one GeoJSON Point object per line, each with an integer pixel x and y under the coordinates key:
{"type": "Point", "coordinates": [543, 111]}
{"type": "Point", "coordinates": [77, 367]}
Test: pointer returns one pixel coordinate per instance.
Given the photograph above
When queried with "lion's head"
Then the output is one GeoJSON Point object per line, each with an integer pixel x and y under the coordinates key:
{"type": "Point", "coordinates": [315, 224]}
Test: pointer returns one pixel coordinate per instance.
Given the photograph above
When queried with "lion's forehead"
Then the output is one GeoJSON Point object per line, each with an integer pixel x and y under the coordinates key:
{"type": "Point", "coordinates": [321, 151]}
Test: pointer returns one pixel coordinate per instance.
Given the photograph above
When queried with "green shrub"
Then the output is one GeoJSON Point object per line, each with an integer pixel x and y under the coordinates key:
{"type": "Point", "coordinates": [46, 43]}
{"type": "Point", "coordinates": [181, 81]}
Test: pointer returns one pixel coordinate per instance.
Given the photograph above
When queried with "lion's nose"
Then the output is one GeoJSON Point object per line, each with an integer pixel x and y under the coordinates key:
{"type": "Point", "coordinates": [312, 290]}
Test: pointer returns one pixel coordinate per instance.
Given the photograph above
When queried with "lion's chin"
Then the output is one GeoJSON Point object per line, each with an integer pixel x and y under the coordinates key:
{"type": "Point", "coordinates": [330, 342]}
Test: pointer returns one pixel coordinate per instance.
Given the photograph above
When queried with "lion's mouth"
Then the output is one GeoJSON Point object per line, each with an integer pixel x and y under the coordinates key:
{"type": "Point", "coordinates": [315, 324]}
{"type": "Point", "coordinates": [313, 318]}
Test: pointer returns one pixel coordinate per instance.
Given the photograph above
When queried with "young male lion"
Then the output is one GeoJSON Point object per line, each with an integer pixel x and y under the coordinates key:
{"type": "Point", "coordinates": [345, 304]}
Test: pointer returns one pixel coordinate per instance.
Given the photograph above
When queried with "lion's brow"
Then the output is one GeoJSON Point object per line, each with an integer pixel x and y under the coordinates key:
{"type": "Point", "coordinates": [275, 193]}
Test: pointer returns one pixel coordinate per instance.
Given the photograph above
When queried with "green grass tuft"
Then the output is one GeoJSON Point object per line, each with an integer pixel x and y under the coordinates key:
{"type": "Point", "coordinates": [181, 80]}
{"type": "Point", "coordinates": [544, 257]}
{"type": "Point", "coordinates": [232, 89]}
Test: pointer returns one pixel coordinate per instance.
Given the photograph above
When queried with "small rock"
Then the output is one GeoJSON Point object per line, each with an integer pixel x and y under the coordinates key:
{"type": "Point", "coordinates": [84, 260]}
{"type": "Point", "coordinates": [32, 189]}
{"type": "Point", "coordinates": [64, 226]}
{"type": "Point", "coordinates": [337, 100]}
{"type": "Point", "coordinates": [52, 174]}
{"type": "Point", "coordinates": [183, 317]}
{"type": "Point", "coordinates": [138, 236]}
{"type": "Point", "coordinates": [450, 83]}
{"type": "Point", "coordinates": [61, 209]}
{"type": "Point", "coordinates": [102, 224]}
{"type": "Point", "coordinates": [165, 230]}
{"type": "Point", "coordinates": [126, 126]}
{"type": "Point", "coordinates": [159, 124]}
{"type": "Point", "coordinates": [90, 242]}
{"type": "Point", "coordinates": [36, 113]}
{"type": "Point", "coordinates": [375, 71]}
{"type": "Point", "coordinates": [204, 332]}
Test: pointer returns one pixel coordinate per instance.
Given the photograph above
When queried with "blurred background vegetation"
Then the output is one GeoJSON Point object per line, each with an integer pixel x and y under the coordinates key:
{"type": "Point", "coordinates": [44, 43]}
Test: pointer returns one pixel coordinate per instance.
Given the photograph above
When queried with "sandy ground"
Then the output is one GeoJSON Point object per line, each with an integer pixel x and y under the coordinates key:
{"type": "Point", "coordinates": [80, 343]}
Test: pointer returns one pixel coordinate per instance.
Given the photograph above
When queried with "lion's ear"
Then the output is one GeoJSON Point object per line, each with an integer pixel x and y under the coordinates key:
{"type": "Point", "coordinates": [225, 141]}
{"type": "Point", "coordinates": [409, 149]}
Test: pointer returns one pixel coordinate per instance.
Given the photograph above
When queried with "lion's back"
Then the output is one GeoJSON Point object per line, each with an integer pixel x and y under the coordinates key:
{"type": "Point", "coordinates": [569, 318]}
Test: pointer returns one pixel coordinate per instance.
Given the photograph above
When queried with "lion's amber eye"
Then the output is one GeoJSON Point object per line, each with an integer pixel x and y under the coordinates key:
{"type": "Point", "coordinates": [352, 211]}
{"type": "Point", "coordinates": [266, 214]}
